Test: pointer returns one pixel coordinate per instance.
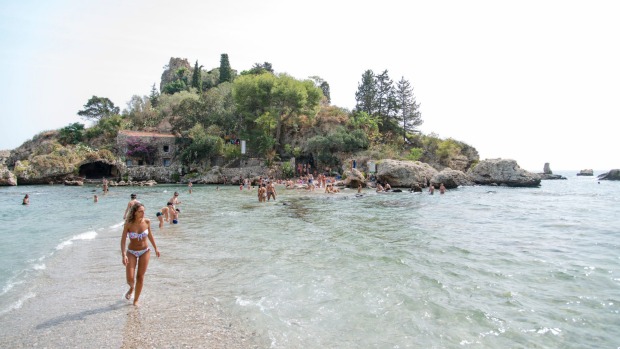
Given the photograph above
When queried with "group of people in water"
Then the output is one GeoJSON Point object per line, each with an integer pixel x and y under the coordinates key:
{"type": "Point", "coordinates": [135, 250]}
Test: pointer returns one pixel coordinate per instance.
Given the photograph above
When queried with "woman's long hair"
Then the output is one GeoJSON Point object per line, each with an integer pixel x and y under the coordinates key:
{"type": "Point", "coordinates": [132, 212]}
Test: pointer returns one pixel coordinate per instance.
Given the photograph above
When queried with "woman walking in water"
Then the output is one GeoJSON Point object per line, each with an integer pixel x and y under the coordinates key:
{"type": "Point", "coordinates": [138, 229]}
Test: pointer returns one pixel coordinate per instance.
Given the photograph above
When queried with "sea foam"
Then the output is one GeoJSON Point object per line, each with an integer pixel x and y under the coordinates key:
{"type": "Point", "coordinates": [89, 235]}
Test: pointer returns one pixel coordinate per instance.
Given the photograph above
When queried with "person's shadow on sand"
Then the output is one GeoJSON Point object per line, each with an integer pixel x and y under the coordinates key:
{"type": "Point", "coordinates": [81, 315]}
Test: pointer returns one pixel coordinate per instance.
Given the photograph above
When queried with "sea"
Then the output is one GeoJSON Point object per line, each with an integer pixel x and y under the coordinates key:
{"type": "Point", "coordinates": [476, 267]}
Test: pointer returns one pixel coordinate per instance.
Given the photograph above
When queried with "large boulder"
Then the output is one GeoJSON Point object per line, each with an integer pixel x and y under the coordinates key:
{"type": "Point", "coordinates": [353, 178]}
{"type": "Point", "coordinates": [451, 178]}
{"type": "Point", "coordinates": [613, 175]}
{"type": "Point", "coordinates": [7, 178]}
{"type": "Point", "coordinates": [405, 174]}
{"type": "Point", "coordinates": [503, 172]}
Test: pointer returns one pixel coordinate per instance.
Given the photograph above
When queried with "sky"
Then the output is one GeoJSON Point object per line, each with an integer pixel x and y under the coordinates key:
{"type": "Point", "coordinates": [534, 81]}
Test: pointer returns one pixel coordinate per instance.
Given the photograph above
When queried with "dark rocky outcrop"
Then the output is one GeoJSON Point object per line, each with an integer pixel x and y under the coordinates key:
{"type": "Point", "coordinates": [586, 172]}
{"type": "Point", "coordinates": [404, 174]}
{"type": "Point", "coordinates": [503, 172]}
{"type": "Point", "coordinates": [451, 178]}
{"type": "Point", "coordinates": [612, 175]}
{"type": "Point", "coordinates": [548, 174]}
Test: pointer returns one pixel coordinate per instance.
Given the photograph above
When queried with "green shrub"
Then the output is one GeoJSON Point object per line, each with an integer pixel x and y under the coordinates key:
{"type": "Point", "coordinates": [287, 170]}
{"type": "Point", "coordinates": [415, 154]}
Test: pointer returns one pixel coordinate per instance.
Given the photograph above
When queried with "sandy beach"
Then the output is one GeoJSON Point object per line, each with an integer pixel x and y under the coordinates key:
{"type": "Point", "coordinates": [86, 309]}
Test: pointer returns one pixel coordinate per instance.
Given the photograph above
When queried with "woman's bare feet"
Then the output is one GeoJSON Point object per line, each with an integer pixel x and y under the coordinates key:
{"type": "Point", "coordinates": [129, 293]}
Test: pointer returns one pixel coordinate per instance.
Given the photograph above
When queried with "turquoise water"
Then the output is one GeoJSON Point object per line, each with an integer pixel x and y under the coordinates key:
{"type": "Point", "coordinates": [478, 267]}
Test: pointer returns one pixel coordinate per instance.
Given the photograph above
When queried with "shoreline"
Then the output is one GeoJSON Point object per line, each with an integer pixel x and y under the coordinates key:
{"type": "Point", "coordinates": [78, 304]}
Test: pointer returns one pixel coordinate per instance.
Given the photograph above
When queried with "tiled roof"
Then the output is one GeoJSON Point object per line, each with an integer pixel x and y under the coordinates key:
{"type": "Point", "coordinates": [145, 134]}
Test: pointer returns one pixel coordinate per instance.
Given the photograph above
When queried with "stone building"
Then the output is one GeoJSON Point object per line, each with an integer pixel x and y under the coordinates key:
{"type": "Point", "coordinates": [148, 155]}
{"type": "Point", "coordinates": [162, 145]}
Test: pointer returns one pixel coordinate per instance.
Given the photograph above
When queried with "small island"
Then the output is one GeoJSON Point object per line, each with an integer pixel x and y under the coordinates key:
{"type": "Point", "coordinates": [219, 125]}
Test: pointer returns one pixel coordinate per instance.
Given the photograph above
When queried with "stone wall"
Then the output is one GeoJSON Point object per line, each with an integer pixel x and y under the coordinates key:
{"type": "Point", "coordinates": [156, 173]}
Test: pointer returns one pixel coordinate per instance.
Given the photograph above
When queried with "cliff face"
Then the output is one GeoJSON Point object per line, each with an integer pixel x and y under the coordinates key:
{"type": "Point", "coordinates": [170, 74]}
{"type": "Point", "coordinates": [43, 160]}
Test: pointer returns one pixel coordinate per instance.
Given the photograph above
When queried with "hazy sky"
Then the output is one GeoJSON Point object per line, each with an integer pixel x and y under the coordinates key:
{"type": "Point", "coordinates": [535, 81]}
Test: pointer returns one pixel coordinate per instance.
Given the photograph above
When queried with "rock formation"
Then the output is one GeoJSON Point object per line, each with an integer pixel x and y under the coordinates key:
{"type": "Point", "coordinates": [586, 172]}
{"type": "Point", "coordinates": [548, 174]}
{"type": "Point", "coordinates": [404, 174]}
{"type": "Point", "coordinates": [503, 172]}
{"type": "Point", "coordinates": [354, 178]}
{"type": "Point", "coordinates": [170, 74]}
{"type": "Point", "coordinates": [613, 175]}
{"type": "Point", "coordinates": [7, 177]}
{"type": "Point", "coordinates": [451, 178]}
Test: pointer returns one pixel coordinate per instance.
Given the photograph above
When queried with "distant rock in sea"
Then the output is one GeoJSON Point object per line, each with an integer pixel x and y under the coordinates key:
{"type": "Point", "coordinates": [586, 172]}
{"type": "Point", "coordinates": [548, 174]}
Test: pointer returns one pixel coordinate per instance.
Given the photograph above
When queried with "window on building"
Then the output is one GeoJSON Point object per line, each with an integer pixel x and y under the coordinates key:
{"type": "Point", "coordinates": [129, 163]}
{"type": "Point", "coordinates": [166, 148]}
{"type": "Point", "coordinates": [140, 162]}
{"type": "Point", "coordinates": [166, 162]}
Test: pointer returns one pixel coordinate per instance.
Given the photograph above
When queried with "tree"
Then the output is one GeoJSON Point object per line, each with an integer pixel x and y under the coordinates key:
{"type": "Point", "coordinates": [154, 97]}
{"type": "Point", "coordinates": [196, 77]}
{"type": "Point", "coordinates": [72, 134]}
{"type": "Point", "coordinates": [271, 101]}
{"type": "Point", "coordinates": [325, 88]}
{"type": "Point", "coordinates": [259, 68]}
{"type": "Point", "coordinates": [202, 145]}
{"type": "Point", "coordinates": [384, 99]}
{"type": "Point", "coordinates": [409, 113]}
{"type": "Point", "coordinates": [97, 108]}
{"type": "Point", "coordinates": [365, 96]}
{"type": "Point", "coordinates": [178, 85]}
{"type": "Point", "coordinates": [225, 70]}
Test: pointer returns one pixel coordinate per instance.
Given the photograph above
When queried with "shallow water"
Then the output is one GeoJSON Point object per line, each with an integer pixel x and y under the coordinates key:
{"type": "Point", "coordinates": [480, 267]}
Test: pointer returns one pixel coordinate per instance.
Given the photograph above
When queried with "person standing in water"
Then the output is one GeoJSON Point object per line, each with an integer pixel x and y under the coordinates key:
{"type": "Point", "coordinates": [132, 201]}
{"type": "Point", "coordinates": [175, 199]}
{"type": "Point", "coordinates": [189, 185]}
{"type": "Point", "coordinates": [105, 185]}
{"type": "Point", "coordinates": [26, 200]}
{"type": "Point", "coordinates": [136, 257]}
{"type": "Point", "coordinates": [271, 191]}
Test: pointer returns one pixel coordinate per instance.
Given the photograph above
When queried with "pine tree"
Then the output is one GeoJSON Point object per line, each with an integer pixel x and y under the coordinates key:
{"type": "Point", "coordinates": [325, 88]}
{"type": "Point", "coordinates": [409, 114]}
{"type": "Point", "coordinates": [154, 97]}
{"type": "Point", "coordinates": [225, 70]}
{"type": "Point", "coordinates": [384, 98]}
{"type": "Point", "coordinates": [197, 77]}
{"type": "Point", "coordinates": [366, 93]}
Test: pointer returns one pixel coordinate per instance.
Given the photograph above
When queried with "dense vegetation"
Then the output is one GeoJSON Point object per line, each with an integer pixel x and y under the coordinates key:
{"type": "Point", "coordinates": [278, 115]}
